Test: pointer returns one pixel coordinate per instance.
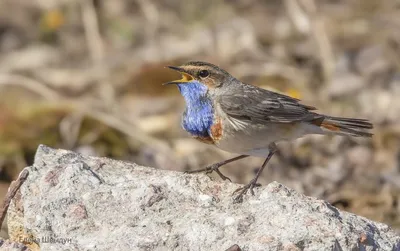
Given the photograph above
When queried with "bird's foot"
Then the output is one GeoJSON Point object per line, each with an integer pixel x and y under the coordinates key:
{"type": "Point", "coordinates": [243, 190]}
{"type": "Point", "coordinates": [210, 169]}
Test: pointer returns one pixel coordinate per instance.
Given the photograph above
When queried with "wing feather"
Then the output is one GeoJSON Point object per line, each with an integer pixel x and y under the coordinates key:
{"type": "Point", "coordinates": [249, 102]}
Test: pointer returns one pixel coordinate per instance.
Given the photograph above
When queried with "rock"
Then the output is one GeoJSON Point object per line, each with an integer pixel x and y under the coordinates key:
{"type": "Point", "coordinates": [7, 245]}
{"type": "Point", "coordinates": [74, 202]}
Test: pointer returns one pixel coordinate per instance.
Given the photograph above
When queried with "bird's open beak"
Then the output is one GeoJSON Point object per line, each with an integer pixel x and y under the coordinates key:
{"type": "Point", "coordinates": [186, 77]}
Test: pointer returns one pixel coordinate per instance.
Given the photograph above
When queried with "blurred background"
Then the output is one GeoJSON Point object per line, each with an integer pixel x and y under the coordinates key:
{"type": "Point", "coordinates": [87, 75]}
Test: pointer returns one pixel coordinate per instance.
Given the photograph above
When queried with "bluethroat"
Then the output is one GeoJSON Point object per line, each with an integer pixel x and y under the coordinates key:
{"type": "Point", "coordinates": [248, 120]}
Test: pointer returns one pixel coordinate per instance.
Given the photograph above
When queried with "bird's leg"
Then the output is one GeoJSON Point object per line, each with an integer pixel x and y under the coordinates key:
{"type": "Point", "coordinates": [253, 182]}
{"type": "Point", "coordinates": [215, 167]}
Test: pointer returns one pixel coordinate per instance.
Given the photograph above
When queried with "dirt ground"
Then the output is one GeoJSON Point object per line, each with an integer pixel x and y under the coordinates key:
{"type": "Point", "coordinates": [87, 75]}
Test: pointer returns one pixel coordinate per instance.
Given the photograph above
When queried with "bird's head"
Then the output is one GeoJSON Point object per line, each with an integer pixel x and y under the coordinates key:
{"type": "Point", "coordinates": [200, 76]}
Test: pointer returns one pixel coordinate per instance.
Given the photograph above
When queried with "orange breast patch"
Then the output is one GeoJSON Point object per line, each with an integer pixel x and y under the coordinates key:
{"type": "Point", "coordinates": [215, 134]}
{"type": "Point", "coordinates": [216, 130]}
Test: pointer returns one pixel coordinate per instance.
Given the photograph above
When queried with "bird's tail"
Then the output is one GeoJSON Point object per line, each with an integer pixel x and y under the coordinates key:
{"type": "Point", "coordinates": [346, 126]}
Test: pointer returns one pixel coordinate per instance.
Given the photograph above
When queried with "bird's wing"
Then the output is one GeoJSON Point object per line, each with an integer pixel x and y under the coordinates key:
{"type": "Point", "coordinates": [249, 102]}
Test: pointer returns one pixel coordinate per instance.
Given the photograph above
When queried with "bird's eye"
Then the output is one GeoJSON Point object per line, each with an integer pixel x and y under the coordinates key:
{"type": "Point", "coordinates": [204, 73]}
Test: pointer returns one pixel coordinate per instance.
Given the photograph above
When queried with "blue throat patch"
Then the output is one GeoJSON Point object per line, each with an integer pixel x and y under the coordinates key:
{"type": "Point", "coordinates": [198, 116]}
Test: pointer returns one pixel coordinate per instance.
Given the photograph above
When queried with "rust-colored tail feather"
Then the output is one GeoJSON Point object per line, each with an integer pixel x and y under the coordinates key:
{"type": "Point", "coordinates": [347, 126]}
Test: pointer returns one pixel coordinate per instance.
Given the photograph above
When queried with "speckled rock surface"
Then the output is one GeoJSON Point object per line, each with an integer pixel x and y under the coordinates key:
{"type": "Point", "coordinates": [7, 245]}
{"type": "Point", "coordinates": [76, 202]}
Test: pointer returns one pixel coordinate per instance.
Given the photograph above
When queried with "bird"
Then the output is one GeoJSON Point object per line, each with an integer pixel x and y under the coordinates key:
{"type": "Point", "coordinates": [248, 120]}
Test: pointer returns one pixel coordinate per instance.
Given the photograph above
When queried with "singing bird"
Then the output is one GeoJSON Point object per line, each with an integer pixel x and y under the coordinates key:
{"type": "Point", "coordinates": [248, 120]}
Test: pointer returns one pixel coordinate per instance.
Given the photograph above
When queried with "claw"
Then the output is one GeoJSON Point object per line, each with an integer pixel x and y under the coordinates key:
{"type": "Point", "coordinates": [223, 177]}
{"type": "Point", "coordinates": [243, 190]}
{"type": "Point", "coordinates": [210, 169]}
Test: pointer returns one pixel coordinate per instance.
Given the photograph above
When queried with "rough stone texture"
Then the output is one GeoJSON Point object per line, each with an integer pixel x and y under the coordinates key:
{"type": "Point", "coordinates": [7, 245]}
{"type": "Point", "coordinates": [101, 204]}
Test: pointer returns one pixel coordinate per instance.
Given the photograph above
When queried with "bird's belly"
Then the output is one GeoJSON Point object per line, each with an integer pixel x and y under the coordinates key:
{"type": "Point", "coordinates": [246, 143]}
{"type": "Point", "coordinates": [254, 139]}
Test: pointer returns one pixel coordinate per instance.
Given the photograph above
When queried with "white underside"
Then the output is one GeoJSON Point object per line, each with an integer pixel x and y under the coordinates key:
{"type": "Point", "coordinates": [254, 139]}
